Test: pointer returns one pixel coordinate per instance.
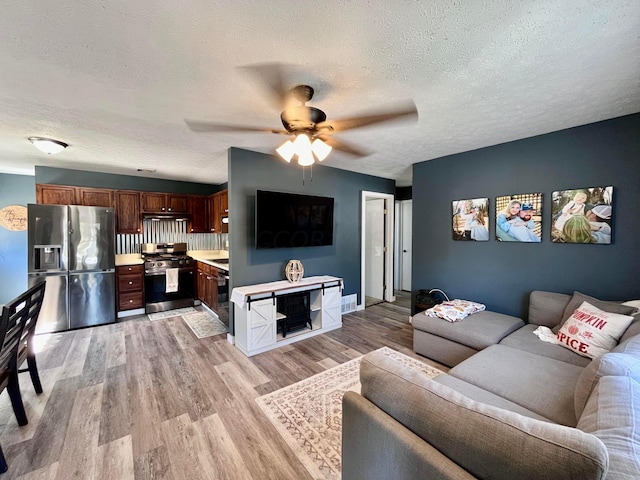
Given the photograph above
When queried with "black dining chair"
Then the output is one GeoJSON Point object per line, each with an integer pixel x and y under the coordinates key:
{"type": "Point", "coordinates": [17, 315]}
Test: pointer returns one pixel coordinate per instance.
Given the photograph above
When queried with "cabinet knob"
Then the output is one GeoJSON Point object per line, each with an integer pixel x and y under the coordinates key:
{"type": "Point", "coordinates": [129, 268]}
{"type": "Point", "coordinates": [169, 208]}
{"type": "Point", "coordinates": [162, 209]}
{"type": "Point", "coordinates": [130, 301]}
{"type": "Point", "coordinates": [130, 283]}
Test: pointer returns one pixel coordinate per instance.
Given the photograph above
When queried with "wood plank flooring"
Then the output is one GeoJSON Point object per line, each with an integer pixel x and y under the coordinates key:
{"type": "Point", "coordinates": [149, 400]}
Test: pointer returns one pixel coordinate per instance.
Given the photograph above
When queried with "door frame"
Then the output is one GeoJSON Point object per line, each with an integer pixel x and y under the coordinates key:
{"type": "Point", "coordinates": [388, 244]}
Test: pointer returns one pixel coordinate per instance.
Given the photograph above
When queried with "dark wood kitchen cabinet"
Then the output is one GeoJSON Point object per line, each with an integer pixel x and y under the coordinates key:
{"type": "Point", "coordinates": [218, 209]}
{"type": "Point", "coordinates": [55, 194]}
{"type": "Point", "coordinates": [198, 210]}
{"type": "Point", "coordinates": [95, 197]}
{"type": "Point", "coordinates": [152, 202]}
{"type": "Point", "coordinates": [130, 281]}
{"type": "Point", "coordinates": [128, 211]}
{"type": "Point", "coordinates": [208, 285]}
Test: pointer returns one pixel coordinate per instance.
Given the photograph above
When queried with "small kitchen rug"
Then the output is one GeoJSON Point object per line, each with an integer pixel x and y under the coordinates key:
{"type": "Point", "coordinates": [308, 414]}
{"type": "Point", "coordinates": [171, 313]}
{"type": "Point", "coordinates": [203, 324]}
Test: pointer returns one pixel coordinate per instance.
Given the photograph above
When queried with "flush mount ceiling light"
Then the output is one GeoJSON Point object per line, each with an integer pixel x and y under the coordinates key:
{"type": "Point", "coordinates": [48, 145]}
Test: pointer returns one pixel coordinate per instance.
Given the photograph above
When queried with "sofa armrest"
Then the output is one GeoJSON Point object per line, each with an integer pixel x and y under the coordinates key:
{"type": "Point", "coordinates": [377, 447]}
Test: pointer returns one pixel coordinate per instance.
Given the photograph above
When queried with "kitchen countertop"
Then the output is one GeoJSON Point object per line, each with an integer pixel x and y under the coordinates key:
{"type": "Point", "coordinates": [129, 259]}
{"type": "Point", "coordinates": [207, 256]}
{"type": "Point", "coordinates": [210, 257]}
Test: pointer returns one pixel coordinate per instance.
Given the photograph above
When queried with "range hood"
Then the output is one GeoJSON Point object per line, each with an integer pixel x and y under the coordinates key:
{"type": "Point", "coordinates": [173, 217]}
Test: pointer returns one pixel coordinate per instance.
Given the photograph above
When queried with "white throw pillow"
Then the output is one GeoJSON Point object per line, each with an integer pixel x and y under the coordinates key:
{"type": "Point", "coordinates": [592, 332]}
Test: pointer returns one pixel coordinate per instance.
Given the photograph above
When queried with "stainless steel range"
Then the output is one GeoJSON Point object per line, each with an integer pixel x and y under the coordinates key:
{"type": "Point", "coordinates": [169, 279]}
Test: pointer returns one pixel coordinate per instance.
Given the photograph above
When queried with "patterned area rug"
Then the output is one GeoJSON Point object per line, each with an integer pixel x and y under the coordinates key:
{"type": "Point", "coordinates": [203, 324]}
{"type": "Point", "coordinates": [308, 414]}
{"type": "Point", "coordinates": [171, 313]}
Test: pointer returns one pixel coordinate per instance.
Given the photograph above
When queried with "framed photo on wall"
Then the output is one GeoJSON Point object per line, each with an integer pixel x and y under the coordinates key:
{"type": "Point", "coordinates": [471, 219]}
{"type": "Point", "coordinates": [582, 215]}
{"type": "Point", "coordinates": [519, 218]}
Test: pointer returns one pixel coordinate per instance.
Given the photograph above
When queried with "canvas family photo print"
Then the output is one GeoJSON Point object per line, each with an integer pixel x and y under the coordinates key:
{"type": "Point", "coordinates": [582, 215]}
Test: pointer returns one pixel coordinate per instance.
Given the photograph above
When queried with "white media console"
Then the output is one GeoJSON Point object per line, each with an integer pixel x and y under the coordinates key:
{"type": "Point", "coordinates": [257, 318]}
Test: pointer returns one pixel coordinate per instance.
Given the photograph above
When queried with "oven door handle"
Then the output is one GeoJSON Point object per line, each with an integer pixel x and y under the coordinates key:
{"type": "Point", "coordinates": [164, 272]}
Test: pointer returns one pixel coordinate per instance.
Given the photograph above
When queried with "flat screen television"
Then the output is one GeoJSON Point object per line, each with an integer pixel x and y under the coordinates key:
{"type": "Point", "coordinates": [288, 220]}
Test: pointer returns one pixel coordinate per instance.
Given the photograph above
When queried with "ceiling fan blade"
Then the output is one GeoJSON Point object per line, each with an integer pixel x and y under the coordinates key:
{"type": "Point", "coordinates": [274, 76]}
{"type": "Point", "coordinates": [198, 126]}
{"type": "Point", "coordinates": [334, 126]}
{"type": "Point", "coordinates": [342, 146]}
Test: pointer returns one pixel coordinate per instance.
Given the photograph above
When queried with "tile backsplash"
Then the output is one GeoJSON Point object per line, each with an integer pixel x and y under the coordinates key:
{"type": "Point", "coordinates": [169, 231]}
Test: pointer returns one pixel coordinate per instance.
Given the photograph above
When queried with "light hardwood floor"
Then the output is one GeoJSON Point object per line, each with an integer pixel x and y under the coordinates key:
{"type": "Point", "coordinates": [148, 400]}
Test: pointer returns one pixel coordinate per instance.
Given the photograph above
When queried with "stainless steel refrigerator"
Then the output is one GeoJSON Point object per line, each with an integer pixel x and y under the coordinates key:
{"type": "Point", "coordinates": [72, 248]}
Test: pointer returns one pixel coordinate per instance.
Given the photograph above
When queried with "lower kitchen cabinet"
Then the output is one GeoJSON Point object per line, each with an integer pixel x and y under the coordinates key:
{"type": "Point", "coordinates": [208, 285]}
{"type": "Point", "coordinates": [130, 281]}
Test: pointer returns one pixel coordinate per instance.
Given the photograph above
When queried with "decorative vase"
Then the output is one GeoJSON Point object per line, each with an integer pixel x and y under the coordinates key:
{"type": "Point", "coordinates": [294, 271]}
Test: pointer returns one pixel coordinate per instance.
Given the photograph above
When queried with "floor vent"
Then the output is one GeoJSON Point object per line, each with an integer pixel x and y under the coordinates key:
{"type": "Point", "coordinates": [349, 303]}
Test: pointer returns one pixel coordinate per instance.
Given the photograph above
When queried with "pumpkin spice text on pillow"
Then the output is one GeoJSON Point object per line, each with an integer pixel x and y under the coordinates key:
{"type": "Point", "coordinates": [592, 332]}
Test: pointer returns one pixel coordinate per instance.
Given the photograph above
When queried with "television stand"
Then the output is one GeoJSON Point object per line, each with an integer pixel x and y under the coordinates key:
{"type": "Point", "coordinates": [273, 314]}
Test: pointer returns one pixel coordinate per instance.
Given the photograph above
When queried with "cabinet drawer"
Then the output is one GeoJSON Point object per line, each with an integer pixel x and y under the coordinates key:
{"type": "Point", "coordinates": [130, 283]}
{"type": "Point", "coordinates": [129, 301]}
{"type": "Point", "coordinates": [130, 269]}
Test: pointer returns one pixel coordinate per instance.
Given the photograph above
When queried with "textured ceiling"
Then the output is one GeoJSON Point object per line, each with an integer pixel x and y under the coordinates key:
{"type": "Point", "coordinates": [116, 79]}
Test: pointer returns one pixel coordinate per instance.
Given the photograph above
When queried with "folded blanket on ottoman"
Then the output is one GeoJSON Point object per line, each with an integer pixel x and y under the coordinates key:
{"type": "Point", "coordinates": [454, 310]}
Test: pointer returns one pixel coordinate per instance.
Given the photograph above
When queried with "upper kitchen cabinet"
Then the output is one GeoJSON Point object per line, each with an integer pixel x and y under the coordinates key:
{"type": "Point", "coordinates": [218, 210]}
{"type": "Point", "coordinates": [127, 211]}
{"type": "Point", "coordinates": [152, 202]}
{"type": "Point", "coordinates": [95, 197]}
{"type": "Point", "coordinates": [199, 222]}
{"type": "Point", "coordinates": [55, 194]}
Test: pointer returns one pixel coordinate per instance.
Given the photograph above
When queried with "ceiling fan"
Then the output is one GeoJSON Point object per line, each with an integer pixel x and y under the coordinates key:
{"type": "Point", "coordinates": [310, 131]}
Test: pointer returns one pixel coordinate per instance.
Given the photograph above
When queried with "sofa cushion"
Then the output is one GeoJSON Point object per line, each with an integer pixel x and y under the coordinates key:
{"type": "Point", "coordinates": [477, 331]}
{"type": "Point", "coordinates": [630, 345]}
{"type": "Point", "coordinates": [486, 441]}
{"type": "Point", "coordinates": [611, 414]}
{"type": "Point", "coordinates": [542, 385]}
{"type": "Point", "coordinates": [483, 396]}
{"type": "Point", "coordinates": [592, 332]}
{"type": "Point", "coordinates": [578, 298]}
{"type": "Point", "coordinates": [524, 339]}
{"type": "Point", "coordinates": [633, 330]}
{"type": "Point", "coordinates": [547, 308]}
{"type": "Point", "coordinates": [610, 364]}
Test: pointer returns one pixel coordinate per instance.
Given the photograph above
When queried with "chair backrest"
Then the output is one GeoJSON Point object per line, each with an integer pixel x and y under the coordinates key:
{"type": "Point", "coordinates": [19, 317]}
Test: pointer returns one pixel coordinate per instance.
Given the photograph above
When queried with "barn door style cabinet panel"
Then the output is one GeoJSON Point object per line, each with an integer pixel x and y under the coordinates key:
{"type": "Point", "coordinates": [262, 316]}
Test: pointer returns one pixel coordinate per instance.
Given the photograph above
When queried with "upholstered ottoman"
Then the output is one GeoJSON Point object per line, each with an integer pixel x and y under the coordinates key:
{"type": "Point", "coordinates": [450, 343]}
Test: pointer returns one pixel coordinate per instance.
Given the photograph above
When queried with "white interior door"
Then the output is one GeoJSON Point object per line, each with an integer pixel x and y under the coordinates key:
{"type": "Point", "coordinates": [406, 212]}
{"type": "Point", "coordinates": [374, 248]}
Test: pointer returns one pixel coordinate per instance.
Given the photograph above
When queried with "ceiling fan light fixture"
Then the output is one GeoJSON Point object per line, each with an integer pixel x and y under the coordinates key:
{"type": "Point", "coordinates": [287, 150]}
{"type": "Point", "coordinates": [48, 145]}
{"type": "Point", "coordinates": [320, 149]}
{"type": "Point", "coordinates": [303, 149]}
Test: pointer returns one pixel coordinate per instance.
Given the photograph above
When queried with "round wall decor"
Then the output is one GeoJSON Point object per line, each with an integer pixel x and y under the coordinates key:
{"type": "Point", "coordinates": [14, 218]}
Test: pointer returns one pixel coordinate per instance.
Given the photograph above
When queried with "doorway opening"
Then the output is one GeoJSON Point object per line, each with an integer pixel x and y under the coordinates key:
{"type": "Point", "coordinates": [376, 248]}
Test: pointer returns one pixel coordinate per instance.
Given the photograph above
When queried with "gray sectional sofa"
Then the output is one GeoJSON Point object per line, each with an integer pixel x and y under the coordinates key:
{"type": "Point", "coordinates": [512, 406]}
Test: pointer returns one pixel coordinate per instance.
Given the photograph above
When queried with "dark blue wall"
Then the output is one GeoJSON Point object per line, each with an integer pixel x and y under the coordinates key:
{"type": "Point", "coordinates": [14, 190]}
{"type": "Point", "coordinates": [251, 171]}
{"type": "Point", "coordinates": [80, 178]}
{"type": "Point", "coordinates": [502, 274]}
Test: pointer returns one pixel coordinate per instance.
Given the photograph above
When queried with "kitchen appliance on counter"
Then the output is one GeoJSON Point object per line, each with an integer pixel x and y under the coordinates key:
{"type": "Point", "coordinates": [72, 248]}
{"type": "Point", "coordinates": [169, 279]}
